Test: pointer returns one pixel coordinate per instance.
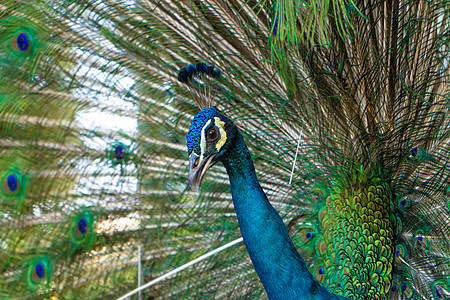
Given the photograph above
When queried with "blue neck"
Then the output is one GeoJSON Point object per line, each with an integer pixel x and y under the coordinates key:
{"type": "Point", "coordinates": [279, 266]}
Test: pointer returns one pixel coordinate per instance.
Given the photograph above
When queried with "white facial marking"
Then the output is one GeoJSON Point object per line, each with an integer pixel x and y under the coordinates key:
{"type": "Point", "coordinates": [203, 141]}
{"type": "Point", "coordinates": [223, 133]}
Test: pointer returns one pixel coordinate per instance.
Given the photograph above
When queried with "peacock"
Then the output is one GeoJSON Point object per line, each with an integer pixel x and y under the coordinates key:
{"type": "Point", "coordinates": [331, 120]}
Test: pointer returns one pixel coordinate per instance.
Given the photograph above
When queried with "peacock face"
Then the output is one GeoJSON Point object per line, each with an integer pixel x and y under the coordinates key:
{"type": "Point", "coordinates": [207, 140]}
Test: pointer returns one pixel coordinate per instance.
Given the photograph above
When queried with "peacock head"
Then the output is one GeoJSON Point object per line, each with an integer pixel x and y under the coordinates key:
{"type": "Point", "coordinates": [208, 139]}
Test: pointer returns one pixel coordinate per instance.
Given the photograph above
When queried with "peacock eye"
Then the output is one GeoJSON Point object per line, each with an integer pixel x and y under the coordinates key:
{"type": "Point", "coordinates": [212, 134]}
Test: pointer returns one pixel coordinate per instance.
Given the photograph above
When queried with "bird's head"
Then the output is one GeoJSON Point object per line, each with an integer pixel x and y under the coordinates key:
{"type": "Point", "coordinates": [208, 139]}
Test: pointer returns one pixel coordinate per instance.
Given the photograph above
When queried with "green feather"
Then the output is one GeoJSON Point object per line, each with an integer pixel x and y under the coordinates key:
{"type": "Point", "coordinates": [14, 184]}
{"type": "Point", "coordinates": [82, 231]}
{"type": "Point", "coordinates": [38, 272]}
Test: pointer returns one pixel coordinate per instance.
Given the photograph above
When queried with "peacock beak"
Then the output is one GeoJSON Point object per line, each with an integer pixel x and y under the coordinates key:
{"type": "Point", "coordinates": [197, 169]}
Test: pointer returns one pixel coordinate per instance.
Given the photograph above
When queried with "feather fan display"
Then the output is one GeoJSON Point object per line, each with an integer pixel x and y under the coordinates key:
{"type": "Point", "coordinates": [344, 106]}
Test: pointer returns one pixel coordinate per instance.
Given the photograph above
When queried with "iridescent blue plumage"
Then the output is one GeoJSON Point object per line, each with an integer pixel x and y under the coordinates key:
{"type": "Point", "coordinates": [12, 182]}
{"type": "Point", "coordinates": [39, 270]}
{"type": "Point", "coordinates": [81, 231]}
{"type": "Point", "coordinates": [23, 42]}
{"type": "Point", "coordinates": [280, 267]}
{"type": "Point", "coordinates": [185, 74]}
{"type": "Point", "coordinates": [82, 226]}
{"type": "Point", "coordinates": [118, 152]}
{"type": "Point", "coordinates": [193, 137]}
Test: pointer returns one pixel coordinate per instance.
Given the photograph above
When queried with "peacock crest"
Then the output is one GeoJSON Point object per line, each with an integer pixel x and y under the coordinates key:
{"type": "Point", "coordinates": [199, 80]}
